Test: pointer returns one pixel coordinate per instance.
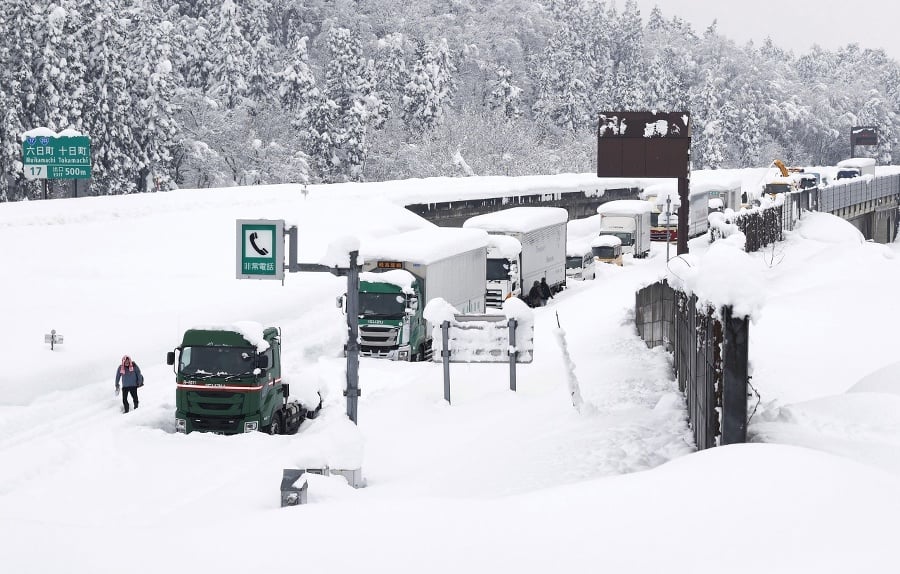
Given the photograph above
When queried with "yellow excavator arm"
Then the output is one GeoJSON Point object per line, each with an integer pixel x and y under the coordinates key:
{"type": "Point", "coordinates": [781, 167]}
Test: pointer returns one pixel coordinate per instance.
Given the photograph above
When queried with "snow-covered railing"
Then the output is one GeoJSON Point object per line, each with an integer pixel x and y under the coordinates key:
{"type": "Point", "coordinates": [710, 348]}
{"type": "Point", "coordinates": [856, 191]}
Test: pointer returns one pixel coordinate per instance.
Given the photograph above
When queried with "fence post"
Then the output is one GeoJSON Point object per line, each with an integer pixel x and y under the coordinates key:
{"type": "Point", "coordinates": [734, 374]}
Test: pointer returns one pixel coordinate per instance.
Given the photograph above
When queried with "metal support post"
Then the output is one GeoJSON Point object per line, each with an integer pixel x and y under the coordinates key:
{"type": "Point", "coordinates": [445, 355]}
{"type": "Point", "coordinates": [352, 391]}
{"type": "Point", "coordinates": [734, 378]}
{"type": "Point", "coordinates": [684, 184]}
{"type": "Point", "coordinates": [668, 224]}
{"type": "Point", "coordinates": [293, 265]}
{"type": "Point", "coordinates": [512, 355]}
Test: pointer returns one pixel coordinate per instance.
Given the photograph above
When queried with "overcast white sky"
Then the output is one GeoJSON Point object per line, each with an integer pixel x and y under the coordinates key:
{"type": "Point", "coordinates": [792, 24]}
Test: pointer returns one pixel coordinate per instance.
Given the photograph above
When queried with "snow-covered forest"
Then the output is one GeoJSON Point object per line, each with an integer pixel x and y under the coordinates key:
{"type": "Point", "coordinates": [206, 93]}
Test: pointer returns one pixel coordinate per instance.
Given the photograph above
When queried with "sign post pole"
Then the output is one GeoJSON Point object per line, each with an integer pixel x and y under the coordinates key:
{"type": "Point", "coordinates": [260, 246]}
{"type": "Point", "coordinates": [512, 354]}
{"type": "Point", "coordinates": [445, 354]}
{"type": "Point", "coordinates": [352, 390]}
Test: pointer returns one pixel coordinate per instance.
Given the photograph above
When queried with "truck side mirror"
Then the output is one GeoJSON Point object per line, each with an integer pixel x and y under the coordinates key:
{"type": "Point", "coordinates": [414, 303]}
{"type": "Point", "coordinates": [262, 362]}
{"type": "Point", "coordinates": [170, 358]}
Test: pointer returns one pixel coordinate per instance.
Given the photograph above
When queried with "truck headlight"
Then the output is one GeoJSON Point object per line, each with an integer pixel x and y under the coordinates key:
{"type": "Point", "coordinates": [403, 355]}
{"type": "Point", "coordinates": [180, 425]}
{"type": "Point", "coordinates": [251, 426]}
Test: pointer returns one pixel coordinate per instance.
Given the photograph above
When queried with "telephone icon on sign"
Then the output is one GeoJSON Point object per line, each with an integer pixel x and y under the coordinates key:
{"type": "Point", "coordinates": [261, 250]}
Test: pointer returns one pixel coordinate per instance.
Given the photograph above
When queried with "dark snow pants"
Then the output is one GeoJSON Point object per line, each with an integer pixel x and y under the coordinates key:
{"type": "Point", "coordinates": [133, 392]}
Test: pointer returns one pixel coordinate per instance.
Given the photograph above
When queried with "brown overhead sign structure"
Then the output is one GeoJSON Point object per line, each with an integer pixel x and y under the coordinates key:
{"type": "Point", "coordinates": [862, 135]}
{"type": "Point", "coordinates": [648, 144]}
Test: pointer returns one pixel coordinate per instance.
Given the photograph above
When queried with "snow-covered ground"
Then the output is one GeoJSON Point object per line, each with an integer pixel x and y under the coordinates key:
{"type": "Point", "coordinates": [497, 481]}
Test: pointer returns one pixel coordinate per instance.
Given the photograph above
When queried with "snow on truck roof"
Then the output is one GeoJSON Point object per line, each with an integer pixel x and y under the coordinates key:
{"type": "Point", "coordinates": [577, 247]}
{"type": "Point", "coordinates": [629, 206]}
{"type": "Point", "coordinates": [425, 246]}
{"type": "Point", "coordinates": [606, 241]}
{"type": "Point", "coordinates": [518, 219]}
{"type": "Point", "coordinates": [505, 246]}
{"type": "Point", "coordinates": [857, 162]}
{"type": "Point", "coordinates": [399, 277]}
{"type": "Point", "coordinates": [251, 331]}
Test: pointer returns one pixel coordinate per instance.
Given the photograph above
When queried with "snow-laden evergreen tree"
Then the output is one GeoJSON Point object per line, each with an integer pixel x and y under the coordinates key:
{"type": "Point", "coordinates": [157, 132]}
{"type": "Point", "coordinates": [262, 79]}
{"type": "Point", "coordinates": [445, 73]}
{"type": "Point", "coordinates": [111, 119]}
{"type": "Point", "coordinates": [563, 99]}
{"type": "Point", "coordinates": [350, 105]}
{"type": "Point", "coordinates": [429, 88]}
{"type": "Point", "coordinates": [254, 20]}
{"type": "Point", "coordinates": [749, 138]}
{"type": "Point", "coordinates": [319, 139]}
{"type": "Point", "coordinates": [296, 81]}
{"type": "Point", "coordinates": [506, 96]}
{"type": "Point", "coordinates": [708, 142]}
{"type": "Point", "coordinates": [194, 60]}
{"type": "Point", "coordinates": [16, 53]}
{"type": "Point", "coordinates": [230, 58]}
{"type": "Point", "coordinates": [390, 64]}
{"type": "Point", "coordinates": [627, 59]}
{"type": "Point", "coordinates": [61, 68]}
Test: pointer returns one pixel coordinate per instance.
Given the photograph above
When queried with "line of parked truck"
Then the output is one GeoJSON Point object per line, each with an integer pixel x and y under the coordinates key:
{"type": "Point", "coordinates": [229, 378]}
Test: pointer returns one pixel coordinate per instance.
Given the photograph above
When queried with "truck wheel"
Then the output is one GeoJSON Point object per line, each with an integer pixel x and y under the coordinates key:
{"type": "Point", "coordinates": [275, 426]}
{"type": "Point", "coordinates": [420, 354]}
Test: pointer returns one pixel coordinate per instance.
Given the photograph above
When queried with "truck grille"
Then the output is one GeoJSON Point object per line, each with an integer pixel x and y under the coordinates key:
{"type": "Point", "coordinates": [216, 424]}
{"type": "Point", "coordinates": [200, 402]}
{"type": "Point", "coordinates": [493, 298]}
{"type": "Point", "coordinates": [378, 336]}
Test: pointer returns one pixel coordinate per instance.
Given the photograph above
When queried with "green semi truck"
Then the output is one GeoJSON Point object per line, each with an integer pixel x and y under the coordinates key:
{"type": "Point", "coordinates": [402, 273]}
{"type": "Point", "coordinates": [228, 381]}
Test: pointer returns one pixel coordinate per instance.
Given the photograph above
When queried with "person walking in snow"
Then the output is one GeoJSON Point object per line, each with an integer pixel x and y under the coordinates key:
{"type": "Point", "coordinates": [546, 293]}
{"type": "Point", "coordinates": [130, 375]}
{"type": "Point", "coordinates": [534, 295]}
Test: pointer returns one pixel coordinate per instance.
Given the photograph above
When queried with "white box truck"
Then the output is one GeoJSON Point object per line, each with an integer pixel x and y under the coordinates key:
{"type": "Point", "coordinates": [402, 272]}
{"type": "Point", "coordinates": [629, 220]}
{"type": "Point", "coordinates": [665, 228]}
{"type": "Point", "coordinates": [541, 234]}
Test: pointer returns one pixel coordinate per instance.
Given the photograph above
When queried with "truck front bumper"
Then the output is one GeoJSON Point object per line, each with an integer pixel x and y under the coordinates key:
{"type": "Point", "coordinates": [396, 354]}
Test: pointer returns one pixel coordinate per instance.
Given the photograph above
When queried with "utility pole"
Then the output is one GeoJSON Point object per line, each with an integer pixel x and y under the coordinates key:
{"type": "Point", "coordinates": [668, 224]}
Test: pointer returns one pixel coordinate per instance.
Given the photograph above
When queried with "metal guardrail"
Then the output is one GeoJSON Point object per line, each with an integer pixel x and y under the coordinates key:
{"type": "Point", "coordinates": [842, 195]}
{"type": "Point", "coordinates": [764, 226]}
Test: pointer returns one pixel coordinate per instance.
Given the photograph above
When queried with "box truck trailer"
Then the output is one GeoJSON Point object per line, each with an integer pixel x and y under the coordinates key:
{"type": "Point", "coordinates": [541, 236]}
{"type": "Point", "coordinates": [629, 220]}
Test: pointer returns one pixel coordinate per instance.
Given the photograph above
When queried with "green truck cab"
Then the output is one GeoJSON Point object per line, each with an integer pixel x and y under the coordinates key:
{"type": "Point", "coordinates": [228, 381]}
{"type": "Point", "coordinates": [391, 324]}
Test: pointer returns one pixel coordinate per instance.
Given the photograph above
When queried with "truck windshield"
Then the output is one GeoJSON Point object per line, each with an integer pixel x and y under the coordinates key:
{"type": "Point", "coordinates": [216, 361]}
{"type": "Point", "coordinates": [497, 269]}
{"type": "Point", "coordinates": [574, 262]}
{"type": "Point", "coordinates": [604, 252]}
{"type": "Point", "coordinates": [382, 304]}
